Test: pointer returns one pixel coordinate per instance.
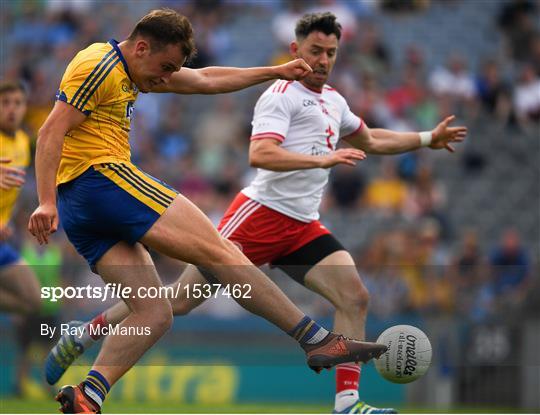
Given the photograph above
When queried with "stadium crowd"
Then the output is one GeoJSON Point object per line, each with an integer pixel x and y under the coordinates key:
{"type": "Point", "coordinates": [199, 145]}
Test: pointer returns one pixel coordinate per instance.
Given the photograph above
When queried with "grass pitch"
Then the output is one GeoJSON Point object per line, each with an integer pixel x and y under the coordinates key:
{"type": "Point", "coordinates": [14, 405]}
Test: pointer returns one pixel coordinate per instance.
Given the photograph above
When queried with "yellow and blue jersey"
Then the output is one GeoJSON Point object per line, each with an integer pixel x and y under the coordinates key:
{"type": "Point", "coordinates": [16, 149]}
{"type": "Point", "coordinates": [102, 197]}
{"type": "Point", "coordinates": [97, 83]}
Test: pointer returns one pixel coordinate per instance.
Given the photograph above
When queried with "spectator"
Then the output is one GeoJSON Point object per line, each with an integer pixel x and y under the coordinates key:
{"type": "Point", "coordinates": [283, 23]}
{"type": "Point", "coordinates": [347, 186]}
{"type": "Point", "coordinates": [371, 104]}
{"type": "Point", "coordinates": [433, 257]}
{"type": "Point", "coordinates": [516, 20]}
{"type": "Point", "coordinates": [453, 80]}
{"type": "Point", "coordinates": [468, 274]}
{"type": "Point", "coordinates": [404, 6]}
{"type": "Point", "coordinates": [426, 199]}
{"type": "Point", "coordinates": [527, 97]}
{"type": "Point", "coordinates": [383, 276]}
{"type": "Point", "coordinates": [407, 94]}
{"type": "Point", "coordinates": [535, 54]}
{"type": "Point", "coordinates": [493, 92]}
{"type": "Point", "coordinates": [217, 130]}
{"type": "Point", "coordinates": [387, 193]}
{"type": "Point", "coordinates": [510, 267]}
{"type": "Point", "coordinates": [371, 54]}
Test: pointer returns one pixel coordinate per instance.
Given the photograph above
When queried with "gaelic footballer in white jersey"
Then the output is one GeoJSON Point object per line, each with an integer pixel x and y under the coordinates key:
{"type": "Point", "coordinates": [306, 122]}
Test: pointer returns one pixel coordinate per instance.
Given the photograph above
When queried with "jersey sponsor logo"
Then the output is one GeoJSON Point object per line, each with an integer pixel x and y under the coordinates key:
{"type": "Point", "coordinates": [319, 151]}
{"type": "Point", "coordinates": [308, 103]}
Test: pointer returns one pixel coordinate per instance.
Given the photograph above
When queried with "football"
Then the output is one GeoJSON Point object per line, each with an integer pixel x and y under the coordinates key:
{"type": "Point", "coordinates": [408, 356]}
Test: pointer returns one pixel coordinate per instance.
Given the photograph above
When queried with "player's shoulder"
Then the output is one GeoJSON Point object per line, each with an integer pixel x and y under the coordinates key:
{"type": "Point", "coordinates": [332, 92]}
{"type": "Point", "coordinates": [278, 92]}
{"type": "Point", "coordinates": [280, 87]}
{"type": "Point", "coordinates": [93, 54]}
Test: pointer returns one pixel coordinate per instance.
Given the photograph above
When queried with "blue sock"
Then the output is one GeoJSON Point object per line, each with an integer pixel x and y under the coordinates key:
{"type": "Point", "coordinates": [308, 332]}
{"type": "Point", "coordinates": [96, 386]}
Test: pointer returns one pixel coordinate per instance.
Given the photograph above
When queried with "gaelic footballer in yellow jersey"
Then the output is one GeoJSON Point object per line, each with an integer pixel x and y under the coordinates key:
{"type": "Point", "coordinates": [16, 149]}
{"type": "Point", "coordinates": [19, 289]}
{"type": "Point", "coordinates": [97, 83]}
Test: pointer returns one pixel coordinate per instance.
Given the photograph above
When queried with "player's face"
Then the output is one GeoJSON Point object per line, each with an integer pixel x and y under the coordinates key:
{"type": "Point", "coordinates": [156, 67]}
{"type": "Point", "coordinates": [319, 51]}
{"type": "Point", "coordinates": [12, 110]}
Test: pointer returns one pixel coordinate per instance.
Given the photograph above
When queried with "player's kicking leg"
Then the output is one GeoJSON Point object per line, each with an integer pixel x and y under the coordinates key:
{"type": "Point", "coordinates": [335, 277]}
{"type": "Point", "coordinates": [183, 232]}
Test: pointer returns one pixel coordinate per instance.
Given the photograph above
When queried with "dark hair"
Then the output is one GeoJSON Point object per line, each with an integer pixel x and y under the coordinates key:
{"type": "Point", "coordinates": [317, 22]}
{"type": "Point", "coordinates": [12, 86]}
{"type": "Point", "coordinates": [164, 27]}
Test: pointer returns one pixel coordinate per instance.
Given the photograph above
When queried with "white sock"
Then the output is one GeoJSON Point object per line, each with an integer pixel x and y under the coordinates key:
{"type": "Point", "coordinates": [86, 340]}
{"type": "Point", "coordinates": [345, 398]}
{"type": "Point", "coordinates": [93, 395]}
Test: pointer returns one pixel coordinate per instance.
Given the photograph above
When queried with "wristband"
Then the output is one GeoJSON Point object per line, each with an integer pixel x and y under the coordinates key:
{"type": "Point", "coordinates": [425, 138]}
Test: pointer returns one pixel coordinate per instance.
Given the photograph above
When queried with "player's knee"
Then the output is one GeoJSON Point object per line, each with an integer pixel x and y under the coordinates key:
{"type": "Point", "coordinates": [161, 317]}
{"type": "Point", "coordinates": [225, 253]}
{"type": "Point", "coordinates": [354, 296]}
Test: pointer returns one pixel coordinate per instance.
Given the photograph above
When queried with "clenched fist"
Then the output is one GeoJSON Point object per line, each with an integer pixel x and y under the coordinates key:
{"type": "Point", "coordinates": [293, 70]}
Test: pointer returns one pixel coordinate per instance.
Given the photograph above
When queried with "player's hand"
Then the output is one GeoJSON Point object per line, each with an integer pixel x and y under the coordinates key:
{"type": "Point", "coordinates": [293, 70]}
{"type": "Point", "coordinates": [443, 135]}
{"type": "Point", "coordinates": [43, 222]}
{"type": "Point", "coordinates": [5, 233]}
{"type": "Point", "coordinates": [347, 156]}
{"type": "Point", "coordinates": [10, 177]}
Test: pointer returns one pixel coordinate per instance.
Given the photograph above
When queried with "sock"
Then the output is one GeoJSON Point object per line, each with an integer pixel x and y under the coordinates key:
{"type": "Point", "coordinates": [308, 332]}
{"type": "Point", "coordinates": [96, 387]}
{"type": "Point", "coordinates": [91, 336]}
{"type": "Point", "coordinates": [347, 381]}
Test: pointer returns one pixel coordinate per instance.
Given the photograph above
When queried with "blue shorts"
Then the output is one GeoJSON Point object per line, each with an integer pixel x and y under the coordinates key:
{"type": "Point", "coordinates": [8, 255]}
{"type": "Point", "coordinates": [109, 203]}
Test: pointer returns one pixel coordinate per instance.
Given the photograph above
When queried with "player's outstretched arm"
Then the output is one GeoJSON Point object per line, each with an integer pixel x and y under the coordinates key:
{"type": "Point", "coordinates": [381, 141]}
{"type": "Point", "coordinates": [62, 119]}
{"type": "Point", "coordinates": [268, 154]}
{"type": "Point", "coordinates": [218, 80]}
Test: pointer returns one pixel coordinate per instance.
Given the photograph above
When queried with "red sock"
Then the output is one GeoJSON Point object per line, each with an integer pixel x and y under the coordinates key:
{"type": "Point", "coordinates": [97, 324]}
{"type": "Point", "coordinates": [347, 377]}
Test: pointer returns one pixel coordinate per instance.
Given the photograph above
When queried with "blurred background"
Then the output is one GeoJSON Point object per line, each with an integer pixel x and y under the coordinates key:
{"type": "Point", "coordinates": [447, 242]}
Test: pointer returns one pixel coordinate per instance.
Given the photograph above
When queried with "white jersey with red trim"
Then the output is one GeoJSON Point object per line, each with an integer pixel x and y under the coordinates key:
{"type": "Point", "coordinates": [306, 122]}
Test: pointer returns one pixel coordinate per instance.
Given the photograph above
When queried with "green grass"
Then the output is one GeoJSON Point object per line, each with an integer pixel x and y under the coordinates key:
{"type": "Point", "coordinates": [40, 406]}
{"type": "Point", "coordinates": [26, 406]}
